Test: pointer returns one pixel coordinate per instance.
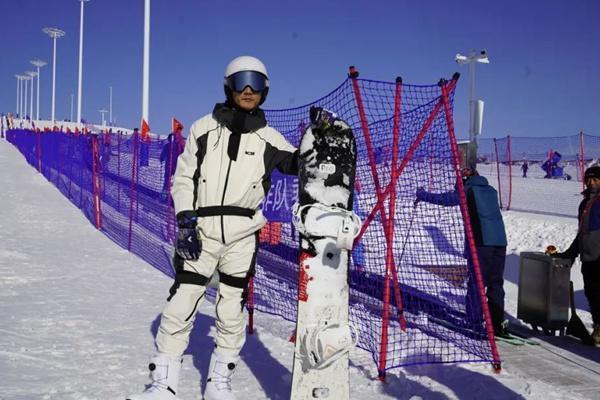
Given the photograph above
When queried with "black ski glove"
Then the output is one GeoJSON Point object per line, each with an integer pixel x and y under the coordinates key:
{"type": "Point", "coordinates": [188, 245]}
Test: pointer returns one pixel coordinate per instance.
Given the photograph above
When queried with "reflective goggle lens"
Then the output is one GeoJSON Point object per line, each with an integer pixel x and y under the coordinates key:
{"type": "Point", "coordinates": [238, 81]}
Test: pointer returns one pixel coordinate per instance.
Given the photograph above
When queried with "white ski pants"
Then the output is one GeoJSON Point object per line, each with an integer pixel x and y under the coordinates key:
{"type": "Point", "coordinates": [235, 262]}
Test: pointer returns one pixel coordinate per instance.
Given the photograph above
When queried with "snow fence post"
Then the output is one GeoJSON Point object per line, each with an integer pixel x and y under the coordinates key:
{"type": "Point", "coordinates": [171, 233]}
{"type": "Point", "coordinates": [39, 151]}
{"type": "Point", "coordinates": [82, 148]}
{"type": "Point", "coordinates": [582, 161]}
{"type": "Point", "coordinates": [133, 184]}
{"type": "Point", "coordinates": [119, 169]}
{"type": "Point", "coordinates": [509, 144]}
{"type": "Point", "coordinates": [250, 305]}
{"type": "Point", "coordinates": [96, 182]}
{"type": "Point", "coordinates": [496, 363]}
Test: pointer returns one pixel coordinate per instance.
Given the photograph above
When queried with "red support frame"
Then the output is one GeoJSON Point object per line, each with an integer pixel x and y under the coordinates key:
{"type": "Point", "coordinates": [467, 222]}
{"type": "Point", "coordinates": [381, 196]}
{"type": "Point", "coordinates": [408, 156]}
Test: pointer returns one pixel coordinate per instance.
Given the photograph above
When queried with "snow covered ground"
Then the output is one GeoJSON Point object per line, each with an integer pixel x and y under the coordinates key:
{"type": "Point", "coordinates": [79, 314]}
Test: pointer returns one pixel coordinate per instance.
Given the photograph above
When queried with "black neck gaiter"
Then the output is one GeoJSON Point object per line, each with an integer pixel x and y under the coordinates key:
{"type": "Point", "coordinates": [238, 122]}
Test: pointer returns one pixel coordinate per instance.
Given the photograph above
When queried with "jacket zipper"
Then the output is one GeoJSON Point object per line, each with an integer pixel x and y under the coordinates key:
{"type": "Point", "coordinates": [223, 201]}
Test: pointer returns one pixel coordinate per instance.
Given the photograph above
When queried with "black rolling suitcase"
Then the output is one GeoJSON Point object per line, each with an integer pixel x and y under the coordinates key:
{"type": "Point", "coordinates": [544, 292]}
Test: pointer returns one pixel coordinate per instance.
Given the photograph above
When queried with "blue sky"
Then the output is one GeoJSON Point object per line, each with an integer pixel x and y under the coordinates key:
{"type": "Point", "coordinates": [542, 80]}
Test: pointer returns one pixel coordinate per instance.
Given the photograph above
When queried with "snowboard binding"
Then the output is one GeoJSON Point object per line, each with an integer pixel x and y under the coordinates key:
{"type": "Point", "coordinates": [316, 221]}
{"type": "Point", "coordinates": [328, 343]}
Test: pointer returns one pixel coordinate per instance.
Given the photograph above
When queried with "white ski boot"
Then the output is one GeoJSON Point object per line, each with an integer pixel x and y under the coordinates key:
{"type": "Point", "coordinates": [164, 372]}
{"type": "Point", "coordinates": [218, 384]}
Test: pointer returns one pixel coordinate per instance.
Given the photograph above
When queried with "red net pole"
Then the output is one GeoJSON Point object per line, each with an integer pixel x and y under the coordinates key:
{"type": "Point", "coordinates": [468, 229]}
{"type": "Point", "coordinates": [39, 151]}
{"type": "Point", "coordinates": [392, 205]}
{"type": "Point", "coordinates": [509, 144]}
{"type": "Point", "coordinates": [96, 182]}
{"type": "Point", "coordinates": [498, 172]}
{"type": "Point", "coordinates": [250, 305]}
{"type": "Point", "coordinates": [70, 178]}
{"type": "Point", "coordinates": [132, 188]}
{"type": "Point", "coordinates": [83, 146]}
{"type": "Point", "coordinates": [389, 234]}
{"type": "Point", "coordinates": [582, 163]}
{"type": "Point", "coordinates": [170, 217]}
{"type": "Point", "coordinates": [372, 163]}
{"type": "Point", "coordinates": [119, 169]}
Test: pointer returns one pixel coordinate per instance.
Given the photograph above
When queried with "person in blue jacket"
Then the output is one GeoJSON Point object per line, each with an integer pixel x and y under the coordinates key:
{"type": "Point", "coordinates": [586, 245]}
{"type": "Point", "coordinates": [490, 241]}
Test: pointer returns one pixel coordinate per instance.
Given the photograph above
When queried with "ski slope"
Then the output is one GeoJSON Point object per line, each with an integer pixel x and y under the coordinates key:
{"type": "Point", "coordinates": [79, 314]}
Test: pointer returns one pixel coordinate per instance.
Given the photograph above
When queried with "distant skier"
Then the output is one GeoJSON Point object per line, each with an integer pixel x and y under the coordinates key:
{"type": "Point", "coordinates": [221, 179]}
{"type": "Point", "coordinates": [586, 245]}
{"type": "Point", "coordinates": [168, 156]}
{"type": "Point", "coordinates": [524, 168]}
{"type": "Point", "coordinates": [490, 241]}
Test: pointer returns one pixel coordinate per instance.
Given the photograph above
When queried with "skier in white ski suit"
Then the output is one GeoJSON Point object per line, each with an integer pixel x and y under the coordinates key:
{"type": "Point", "coordinates": [221, 179]}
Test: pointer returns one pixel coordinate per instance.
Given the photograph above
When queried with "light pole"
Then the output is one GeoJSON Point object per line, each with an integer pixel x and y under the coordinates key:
{"type": "Point", "coordinates": [103, 111]}
{"type": "Point", "coordinates": [82, 2]}
{"type": "Point", "coordinates": [472, 59]}
{"type": "Point", "coordinates": [38, 64]}
{"type": "Point", "coordinates": [54, 33]}
{"type": "Point", "coordinates": [146, 63]}
{"type": "Point", "coordinates": [110, 105]}
{"type": "Point", "coordinates": [21, 95]}
{"type": "Point", "coordinates": [26, 78]}
{"type": "Point", "coordinates": [32, 74]}
{"type": "Point", "coordinates": [18, 94]}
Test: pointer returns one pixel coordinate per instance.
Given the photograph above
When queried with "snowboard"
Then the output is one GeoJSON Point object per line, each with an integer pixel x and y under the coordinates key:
{"type": "Point", "coordinates": [327, 228]}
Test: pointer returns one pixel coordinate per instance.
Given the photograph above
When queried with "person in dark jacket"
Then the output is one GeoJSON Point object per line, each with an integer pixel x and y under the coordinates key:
{"type": "Point", "coordinates": [168, 155]}
{"type": "Point", "coordinates": [586, 245]}
{"type": "Point", "coordinates": [490, 241]}
{"type": "Point", "coordinates": [524, 168]}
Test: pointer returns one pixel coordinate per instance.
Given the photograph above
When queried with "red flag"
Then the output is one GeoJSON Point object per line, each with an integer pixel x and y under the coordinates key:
{"type": "Point", "coordinates": [145, 131]}
{"type": "Point", "coordinates": [177, 126]}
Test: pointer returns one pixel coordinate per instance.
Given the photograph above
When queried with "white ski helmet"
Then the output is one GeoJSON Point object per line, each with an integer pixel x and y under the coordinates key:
{"type": "Point", "coordinates": [246, 71]}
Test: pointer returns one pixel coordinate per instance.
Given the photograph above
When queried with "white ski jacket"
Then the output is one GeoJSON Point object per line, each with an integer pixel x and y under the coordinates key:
{"type": "Point", "coordinates": [207, 180]}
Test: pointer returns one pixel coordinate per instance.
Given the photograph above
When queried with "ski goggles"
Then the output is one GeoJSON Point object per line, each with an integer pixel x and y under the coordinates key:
{"type": "Point", "coordinates": [238, 81]}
